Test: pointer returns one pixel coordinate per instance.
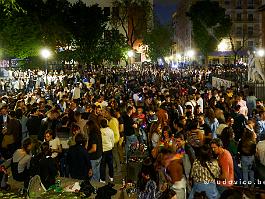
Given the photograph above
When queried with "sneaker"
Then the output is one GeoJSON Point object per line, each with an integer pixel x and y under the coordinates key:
{"type": "Point", "coordinates": [102, 181]}
{"type": "Point", "coordinates": [111, 179]}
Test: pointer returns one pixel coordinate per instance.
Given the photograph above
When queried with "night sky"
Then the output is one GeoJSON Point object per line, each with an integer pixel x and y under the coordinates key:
{"type": "Point", "coordinates": [164, 9]}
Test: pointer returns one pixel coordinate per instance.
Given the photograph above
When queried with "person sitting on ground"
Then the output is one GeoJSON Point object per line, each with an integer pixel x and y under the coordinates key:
{"type": "Point", "coordinates": [54, 143]}
{"type": "Point", "coordinates": [20, 163]}
{"type": "Point", "coordinates": [47, 165]}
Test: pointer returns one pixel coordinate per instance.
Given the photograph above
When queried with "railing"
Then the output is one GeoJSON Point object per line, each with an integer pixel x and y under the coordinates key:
{"type": "Point", "coordinates": [258, 88]}
{"type": "Point", "coordinates": [241, 80]}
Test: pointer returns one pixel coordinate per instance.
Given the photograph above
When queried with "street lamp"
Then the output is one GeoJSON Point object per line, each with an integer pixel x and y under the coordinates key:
{"type": "Point", "coordinates": [261, 52]}
{"type": "Point", "coordinates": [130, 55]}
{"type": "Point", "coordinates": [190, 53]}
{"type": "Point", "coordinates": [46, 53]}
{"type": "Point", "coordinates": [223, 46]}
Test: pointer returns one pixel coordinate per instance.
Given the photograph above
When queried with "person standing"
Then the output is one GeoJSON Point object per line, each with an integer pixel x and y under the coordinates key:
{"type": "Point", "coordinates": [129, 126]}
{"type": "Point", "coordinates": [174, 172]}
{"type": "Point", "coordinates": [94, 147]}
{"type": "Point", "coordinates": [76, 92]}
{"type": "Point", "coordinates": [78, 159]}
{"type": "Point", "coordinates": [225, 161]}
{"type": "Point", "coordinates": [12, 136]}
{"type": "Point", "coordinates": [107, 145]}
{"type": "Point", "coordinates": [203, 173]}
{"type": "Point", "coordinates": [33, 123]}
{"type": "Point", "coordinates": [247, 150]}
{"type": "Point", "coordinates": [261, 126]}
{"type": "Point", "coordinates": [114, 125]}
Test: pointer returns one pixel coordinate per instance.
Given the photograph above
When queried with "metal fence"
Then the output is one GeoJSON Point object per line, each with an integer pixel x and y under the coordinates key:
{"type": "Point", "coordinates": [258, 89]}
{"type": "Point", "coordinates": [241, 82]}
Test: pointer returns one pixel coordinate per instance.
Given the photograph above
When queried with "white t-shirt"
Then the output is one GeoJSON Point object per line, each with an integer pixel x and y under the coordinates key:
{"type": "Point", "coordinates": [76, 93]}
{"type": "Point", "coordinates": [55, 144]}
{"type": "Point", "coordinates": [107, 139]}
{"type": "Point", "coordinates": [200, 103]}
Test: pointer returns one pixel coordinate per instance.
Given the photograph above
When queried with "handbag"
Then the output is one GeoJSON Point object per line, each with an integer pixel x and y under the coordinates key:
{"type": "Point", "coordinates": [211, 173]}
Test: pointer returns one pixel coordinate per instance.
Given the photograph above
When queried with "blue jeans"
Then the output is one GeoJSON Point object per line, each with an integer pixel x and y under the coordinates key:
{"type": "Point", "coordinates": [209, 188]}
{"type": "Point", "coordinates": [221, 189]}
{"type": "Point", "coordinates": [248, 172]}
{"type": "Point", "coordinates": [96, 169]}
{"type": "Point", "coordinates": [237, 169]}
{"type": "Point", "coordinates": [129, 140]}
{"type": "Point", "coordinates": [107, 159]}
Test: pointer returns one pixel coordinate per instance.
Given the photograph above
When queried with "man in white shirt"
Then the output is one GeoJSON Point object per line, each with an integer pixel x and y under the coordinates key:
{"type": "Point", "coordinates": [107, 145]}
{"type": "Point", "coordinates": [76, 92]}
{"type": "Point", "coordinates": [199, 101]}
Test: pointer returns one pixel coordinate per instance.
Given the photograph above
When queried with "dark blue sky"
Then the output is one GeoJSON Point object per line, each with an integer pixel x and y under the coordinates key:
{"type": "Point", "coordinates": [164, 9]}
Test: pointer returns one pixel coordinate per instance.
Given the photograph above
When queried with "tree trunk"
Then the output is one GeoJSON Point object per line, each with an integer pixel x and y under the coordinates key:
{"type": "Point", "coordinates": [235, 56]}
{"type": "Point", "coordinates": [206, 61]}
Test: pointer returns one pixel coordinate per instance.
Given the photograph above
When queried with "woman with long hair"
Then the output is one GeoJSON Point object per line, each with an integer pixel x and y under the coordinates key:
{"type": "Point", "coordinates": [212, 121]}
{"type": "Point", "coordinates": [204, 172]}
{"type": "Point", "coordinates": [247, 150]}
{"type": "Point", "coordinates": [229, 143]}
{"type": "Point", "coordinates": [155, 134]}
{"type": "Point", "coordinates": [94, 147]}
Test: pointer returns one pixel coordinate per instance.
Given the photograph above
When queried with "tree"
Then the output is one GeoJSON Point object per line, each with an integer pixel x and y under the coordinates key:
{"type": "Point", "coordinates": [209, 25]}
{"type": "Point", "coordinates": [87, 25]}
{"type": "Point", "coordinates": [133, 16]}
{"type": "Point", "coordinates": [159, 42]}
{"type": "Point", "coordinates": [236, 49]}
{"type": "Point", "coordinates": [114, 46]}
{"type": "Point", "coordinates": [9, 6]}
{"type": "Point", "coordinates": [20, 37]}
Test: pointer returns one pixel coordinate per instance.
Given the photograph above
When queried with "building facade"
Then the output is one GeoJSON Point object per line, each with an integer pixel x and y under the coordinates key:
{"type": "Point", "coordinates": [246, 18]}
{"type": "Point", "coordinates": [262, 10]}
{"type": "Point", "coordinates": [182, 28]}
{"type": "Point", "coordinates": [246, 32]}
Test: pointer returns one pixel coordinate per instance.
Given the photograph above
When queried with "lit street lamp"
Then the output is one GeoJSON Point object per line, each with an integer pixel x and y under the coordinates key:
{"type": "Point", "coordinates": [190, 53]}
{"type": "Point", "coordinates": [261, 52]}
{"type": "Point", "coordinates": [46, 53]}
{"type": "Point", "coordinates": [130, 54]}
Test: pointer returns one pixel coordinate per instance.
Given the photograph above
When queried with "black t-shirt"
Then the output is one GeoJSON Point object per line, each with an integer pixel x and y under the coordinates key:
{"type": "Point", "coordinates": [128, 122]}
{"type": "Point", "coordinates": [95, 138]}
{"type": "Point", "coordinates": [79, 162]}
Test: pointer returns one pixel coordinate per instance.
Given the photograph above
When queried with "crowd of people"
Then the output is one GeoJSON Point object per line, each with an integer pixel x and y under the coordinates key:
{"type": "Point", "coordinates": [200, 140]}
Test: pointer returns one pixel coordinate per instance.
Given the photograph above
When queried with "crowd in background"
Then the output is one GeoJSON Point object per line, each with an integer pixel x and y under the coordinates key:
{"type": "Point", "coordinates": [200, 139]}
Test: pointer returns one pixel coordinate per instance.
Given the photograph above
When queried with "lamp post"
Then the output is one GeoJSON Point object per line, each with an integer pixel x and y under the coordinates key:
{"type": "Point", "coordinates": [46, 53]}
{"type": "Point", "coordinates": [260, 52]}
{"type": "Point", "coordinates": [130, 55]}
{"type": "Point", "coordinates": [190, 54]}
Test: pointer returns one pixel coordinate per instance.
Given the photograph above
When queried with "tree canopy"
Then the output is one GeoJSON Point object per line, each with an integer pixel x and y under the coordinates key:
{"type": "Point", "coordinates": [159, 41]}
{"type": "Point", "coordinates": [134, 17]}
{"type": "Point", "coordinates": [209, 25]}
{"type": "Point", "coordinates": [73, 31]}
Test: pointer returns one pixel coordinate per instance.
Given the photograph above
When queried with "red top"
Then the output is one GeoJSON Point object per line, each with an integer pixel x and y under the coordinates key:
{"type": "Point", "coordinates": [227, 167]}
